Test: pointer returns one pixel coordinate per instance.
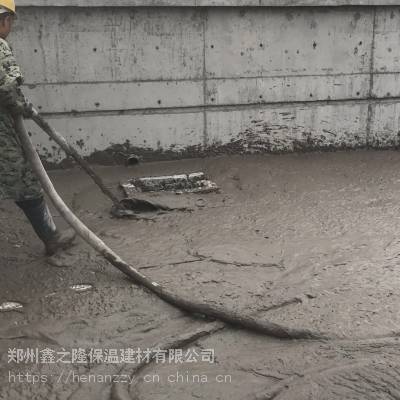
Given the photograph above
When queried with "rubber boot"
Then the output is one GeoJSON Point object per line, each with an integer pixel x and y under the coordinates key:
{"type": "Point", "coordinates": [43, 224]}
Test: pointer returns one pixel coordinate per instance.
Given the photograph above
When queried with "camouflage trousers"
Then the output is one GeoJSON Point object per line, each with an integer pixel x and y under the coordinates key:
{"type": "Point", "coordinates": [17, 180]}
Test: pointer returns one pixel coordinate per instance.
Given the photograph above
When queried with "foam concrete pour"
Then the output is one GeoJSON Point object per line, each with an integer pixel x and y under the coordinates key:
{"type": "Point", "coordinates": [321, 228]}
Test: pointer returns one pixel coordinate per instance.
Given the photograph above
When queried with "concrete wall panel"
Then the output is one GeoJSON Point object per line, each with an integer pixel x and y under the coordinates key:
{"type": "Point", "coordinates": [387, 38]}
{"type": "Point", "coordinates": [287, 89]}
{"type": "Point", "coordinates": [191, 3]}
{"type": "Point", "coordinates": [386, 85]}
{"type": "Point", "coordinates": [281, 42]}
{"type": "Point", "coordinates": [61, 98]}
{"type": "Point", "coordinates": [385, 129]}
{"type": "Point", "coordinates": [97, 45]}
{"type": "Point", "coordinates": [104, 3]}
{"type": "Point", "coordinates": [159, 132]}
{"type": "Point", "coordinates": [288, 128]}
{"type": "Point", "coordinates": [229, 3]}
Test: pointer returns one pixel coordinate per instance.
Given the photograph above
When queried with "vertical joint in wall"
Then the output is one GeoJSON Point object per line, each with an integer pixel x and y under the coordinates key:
{"type": "Point", "coordinates": [205, 129]}
{"type": "Point", "coordinates": [371, 81]}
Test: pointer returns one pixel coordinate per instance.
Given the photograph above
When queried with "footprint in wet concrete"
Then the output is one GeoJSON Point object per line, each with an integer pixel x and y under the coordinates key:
{"type": "Point", "coordinates": [65, 260]}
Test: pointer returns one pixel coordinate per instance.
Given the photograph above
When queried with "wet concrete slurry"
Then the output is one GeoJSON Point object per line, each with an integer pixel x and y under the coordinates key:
{"type": "Point", "coordinates": [320, 231]}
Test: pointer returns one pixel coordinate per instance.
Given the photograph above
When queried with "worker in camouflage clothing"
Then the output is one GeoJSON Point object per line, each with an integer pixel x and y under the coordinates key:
{"type": "Point", "coordinates": [17, 180]}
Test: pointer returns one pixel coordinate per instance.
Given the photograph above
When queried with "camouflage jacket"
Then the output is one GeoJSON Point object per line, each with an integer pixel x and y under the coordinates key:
{"type": "Point", "coordinates": [10, 73]}
{"type": "Point", "coordinates": [17, 180]}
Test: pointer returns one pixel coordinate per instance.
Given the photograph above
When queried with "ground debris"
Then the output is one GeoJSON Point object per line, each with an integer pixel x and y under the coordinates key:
{"type": "Point", "coordinates": [10, 306]}
{"type": "Point", "coordinates": [81, 288]}
{"type": "Point", "coordinates": [182, 183]}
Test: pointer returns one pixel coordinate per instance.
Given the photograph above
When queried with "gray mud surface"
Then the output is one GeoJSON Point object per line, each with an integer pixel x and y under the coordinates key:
{"type": "Point", "coordinates": [309, 241]}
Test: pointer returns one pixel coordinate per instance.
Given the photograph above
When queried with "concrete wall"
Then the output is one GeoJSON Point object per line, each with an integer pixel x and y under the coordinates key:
{"type": "Point", "coordinates": [185, 80]}
{"type": "Point", "coordinates": [205, 3]}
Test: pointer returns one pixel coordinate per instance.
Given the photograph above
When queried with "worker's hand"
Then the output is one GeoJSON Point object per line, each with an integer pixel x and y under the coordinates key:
{"type": "Point", "coordinates": [24, 108]}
